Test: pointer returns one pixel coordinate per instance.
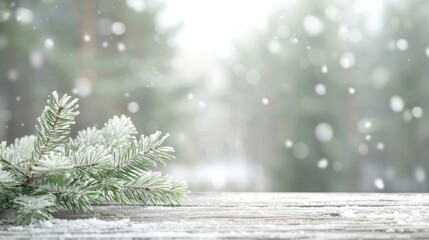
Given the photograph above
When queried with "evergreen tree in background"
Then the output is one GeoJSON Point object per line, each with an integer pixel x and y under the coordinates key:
{"type": "Point", "coordinates": [107, 52]}
{"type": "Point", "coordinates": [356, 71]}
{"type": "Point", "coordinates": [325, 63]}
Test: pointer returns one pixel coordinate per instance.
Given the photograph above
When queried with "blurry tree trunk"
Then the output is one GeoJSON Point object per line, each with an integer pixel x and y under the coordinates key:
{"type": "Point", "coordinates": [88, 75]}
{"type": "Point", "coordinates": [19, 91]}
{"type": "Point", "coordinates": [88, 47]}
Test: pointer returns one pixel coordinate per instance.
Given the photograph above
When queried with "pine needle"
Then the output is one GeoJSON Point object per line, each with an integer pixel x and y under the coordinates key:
{"type": "Point", "coordinates": [40, 173]}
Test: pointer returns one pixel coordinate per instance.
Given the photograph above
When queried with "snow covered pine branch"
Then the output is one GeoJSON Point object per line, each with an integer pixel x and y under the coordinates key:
{"type": "Point", "coordinates": [39, 174]}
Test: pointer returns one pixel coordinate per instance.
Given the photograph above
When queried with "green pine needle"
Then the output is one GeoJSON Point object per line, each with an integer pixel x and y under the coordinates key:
{"type": "Point", "coordinates": [40, 173]}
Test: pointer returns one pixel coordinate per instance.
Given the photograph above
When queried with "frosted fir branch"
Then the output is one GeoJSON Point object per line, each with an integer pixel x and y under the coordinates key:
{"type": "Point", "coordinates": [34, 208]}
{"type": "Point", "coordinates": [110, 188]}
{"type": "Point", "coordinates": [72, 194]}
{"type": "Point", "coordinates": [12, 168]}
{"type": "Point", "coordinates": [76, 173]}
{"type": "Point", "coordinates": [5, 152]}
{"type": "Point", "coordinates": [89, 136]}
{"type": "Point", "coordinates": [54, 125]}
{"type": "Point", "coordinates": [18, 154]}
{"type": "Point", "coordinates": [22, 149]}
{"type": "Point", "coordinates": [142, 154]}
{"type": "Point", "coordinates": [8, 160]}
{"type": "Point", "coordinates": [3, 147]}
{"type": "Point", "coordinates": [118, 131]}
{"type": "Point", "coordinates": [152, 188]}
{"type": "Point", "coordinates": [53, 163]}
{"type": "Point", "coordinates": [7, 179]}
{"type": "Point", "coordinates": [92, 158]}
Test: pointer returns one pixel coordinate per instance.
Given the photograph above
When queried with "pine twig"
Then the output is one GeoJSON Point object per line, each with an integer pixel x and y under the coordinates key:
{"type": "Point", "coordinates": [39, 173]}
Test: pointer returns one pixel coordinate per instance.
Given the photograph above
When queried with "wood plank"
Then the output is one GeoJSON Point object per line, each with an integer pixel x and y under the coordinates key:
{"type": "Point", "coordinates": [249, 215]}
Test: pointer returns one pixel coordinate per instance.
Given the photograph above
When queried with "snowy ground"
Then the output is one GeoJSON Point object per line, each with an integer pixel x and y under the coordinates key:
{"type": "Point", "coordinates": [256, 215]}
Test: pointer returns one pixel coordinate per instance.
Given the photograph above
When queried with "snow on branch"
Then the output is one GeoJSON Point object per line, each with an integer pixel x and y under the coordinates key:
{"type": "Point", "coordinates": [39, 173]}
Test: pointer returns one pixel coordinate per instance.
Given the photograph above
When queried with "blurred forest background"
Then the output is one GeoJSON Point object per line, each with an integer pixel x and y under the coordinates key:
{"type": "Point", "coordinates": [257, 95]}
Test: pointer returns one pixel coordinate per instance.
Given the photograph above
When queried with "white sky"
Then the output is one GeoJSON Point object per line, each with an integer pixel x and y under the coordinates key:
{"type": "Point", "coordinates": [211, 25]}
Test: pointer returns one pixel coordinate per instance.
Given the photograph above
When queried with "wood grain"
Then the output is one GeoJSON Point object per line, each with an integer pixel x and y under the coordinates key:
{"type": "Point", "coordinates": [253, 215]}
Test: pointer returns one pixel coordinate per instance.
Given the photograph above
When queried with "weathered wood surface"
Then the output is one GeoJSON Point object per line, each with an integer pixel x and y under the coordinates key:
{"type": "Point", "coordinates": [249, 215]}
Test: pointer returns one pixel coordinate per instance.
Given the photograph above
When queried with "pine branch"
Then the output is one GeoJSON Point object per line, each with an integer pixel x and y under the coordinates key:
{"type": "Point", "coordinates": [54, 125]}
{"type": "Point", "coordinates": [7, 179]}
{"type": "Point", "coordinates": [89, 136]}
{"type": "Point", "coordinates": [111, 189]}
{"type": "Point", "coordinates": [7, 196]}
{"type": "Point", "coordinates": [13, 168]}
{"type": "Point", "coordinates": [118, 131]}
{"type": "Point", "coordinates": [5, 152]}
{"type": "Point", "coordinates": [52, 163]}
{"type": "Point", "coordinates": [136, 156]}
{"type": "Point", "coordinates": [88, 159]}
{"type": "Point", "coordinates": [72, 194]}
{"type": "Point", "coordinates": [21, 150]}
{"type": "Point", "coordinates": [152, 188]}
{"type": "Point", "coordinates": [37, 173]}
{"type": "Point", "coordinates": [34, 208]}
{"type": "Point", "coordinates": [3, 148]}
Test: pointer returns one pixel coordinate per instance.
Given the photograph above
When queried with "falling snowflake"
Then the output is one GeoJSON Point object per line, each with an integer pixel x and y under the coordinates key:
{"type": "Point", "coordinates": [133, 107]}
{"type": "Point", "coordinates": [121, 46]}
{"type": "Point", "coordinates": [300, 150]}
{"type": "Point", "coordinates": [363, 149]}
{"type": "Point", "coordinates": [36, 59]}
{"type": "Point", "coordinates": [137, 5]}
{"type": "Point", "coordinates": [417, 112]}
{"type": "Point", "coordinates": [324, 69]}
{"type": "Point", "coordinates": [202, 104]}
{"type": "Point", "coordinates": [402, 44]}
{"type": "Point", "coordinates": [380, 146]}
{"type": "Point", "coordinates": [379, 183]}
{"type": "Point", "coordinates": [49, 43]}
{"type": "Point", "coordinates": [24, 15]}
{"type": "Point", "coordinates": [324, 132]}
{"type": "Point", "coordinates": [322, 163]}
{"type": "Point", "coordinates": [87, 38]}
{"type": "Point", "coordinates": [288, 143]}
{"type": "Point", "coordinates": [118, 28]}
{"type": "Point", "coordinates": [396, 104]}
{"type": "Point", "coordinates": [367, 124]}
{"type": "Point", "coordinates": [313, 25]}
{"type": "Point", "coordinates": [4, 15]}
{"type": "Point", "coordinates": [320, 89]}
{"type": "Point", "coordinates": [274, 47]}
{"type": "Point", "coordinates": [347, 60]}
{"type": "Point", "coordinates": [265, 101]}
{"type": "Point", "coordinates": [420, 174]}
{"type": "Point", "coordinates": [12, 74]}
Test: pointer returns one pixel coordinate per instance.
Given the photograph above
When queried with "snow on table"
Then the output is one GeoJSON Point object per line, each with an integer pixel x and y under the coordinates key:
{"type": "Point", "coordinates": [248, 215]}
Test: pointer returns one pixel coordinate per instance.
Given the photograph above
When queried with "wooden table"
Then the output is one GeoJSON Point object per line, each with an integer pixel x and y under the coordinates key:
{"type": "Point", "coordinates": [249, 215]}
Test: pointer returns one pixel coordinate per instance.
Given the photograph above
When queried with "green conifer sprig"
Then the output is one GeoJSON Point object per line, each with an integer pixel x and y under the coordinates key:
{"type": "Point", "coordinates": [39, 174]}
